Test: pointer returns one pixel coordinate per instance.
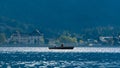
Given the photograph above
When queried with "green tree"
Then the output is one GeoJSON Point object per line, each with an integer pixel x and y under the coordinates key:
{"type": "Point", "coordinates": [2, 38]}
{"type": "Point", "coordinates": [67, 39]}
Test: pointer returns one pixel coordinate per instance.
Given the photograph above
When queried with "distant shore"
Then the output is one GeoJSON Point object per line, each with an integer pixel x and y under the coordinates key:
{"type": "Point", "coordinates": [49, 45]}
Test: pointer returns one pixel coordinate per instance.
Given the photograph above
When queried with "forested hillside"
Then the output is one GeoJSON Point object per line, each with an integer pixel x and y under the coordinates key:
{"type": "Point", "coordinates": [54, 16]}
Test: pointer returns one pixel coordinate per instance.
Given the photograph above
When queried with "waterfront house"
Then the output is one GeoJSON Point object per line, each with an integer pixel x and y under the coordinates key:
{"type": "Point", "coordinates": [109, 40]}
{"type": "Point", "coordinates": [35, 37]}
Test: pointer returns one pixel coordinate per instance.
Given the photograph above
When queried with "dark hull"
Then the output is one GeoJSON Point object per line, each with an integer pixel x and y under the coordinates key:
{"type": "Point", "coordinates": [61, 47]}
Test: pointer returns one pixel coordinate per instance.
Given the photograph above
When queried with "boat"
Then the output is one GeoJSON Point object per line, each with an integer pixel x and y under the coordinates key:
{"type": "Point", "coordinates": [61, 47]}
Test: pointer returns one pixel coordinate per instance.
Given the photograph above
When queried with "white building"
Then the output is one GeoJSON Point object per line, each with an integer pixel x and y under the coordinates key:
{"type": "Point", "coordinates": [109, 40]}
{"type": "Point", "coordinates": [106, 39]}
{"type": "Point", "coordinates": [35, 37]}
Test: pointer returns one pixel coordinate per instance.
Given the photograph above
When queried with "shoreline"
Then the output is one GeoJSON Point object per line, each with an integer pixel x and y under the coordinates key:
{"type": "Point", "coordinates": [47, 45]}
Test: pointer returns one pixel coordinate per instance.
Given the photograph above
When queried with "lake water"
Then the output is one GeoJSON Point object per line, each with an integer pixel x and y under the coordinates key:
{"type": "Point", "coordinates": [42, 57]}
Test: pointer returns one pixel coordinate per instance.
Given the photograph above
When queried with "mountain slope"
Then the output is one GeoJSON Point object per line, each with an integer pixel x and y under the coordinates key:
{"type": "Point", "coordinates": [60, 15]}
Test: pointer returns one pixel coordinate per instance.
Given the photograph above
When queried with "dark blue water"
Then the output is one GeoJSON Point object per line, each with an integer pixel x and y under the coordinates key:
{"type": "Point", "coordinates": [59, 60]}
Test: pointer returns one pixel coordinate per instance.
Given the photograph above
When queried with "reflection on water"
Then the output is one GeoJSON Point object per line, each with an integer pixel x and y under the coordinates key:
{"type": "Point", "coordinates": [44, 58]}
